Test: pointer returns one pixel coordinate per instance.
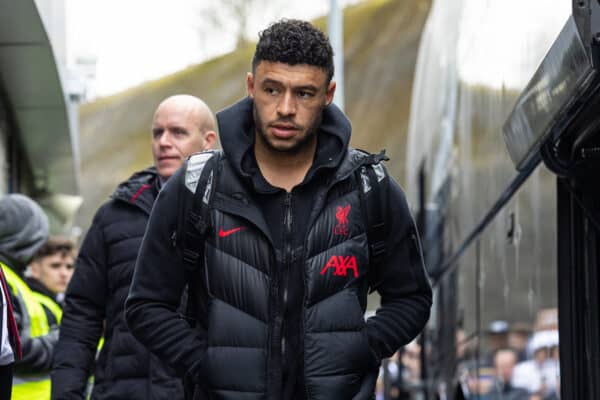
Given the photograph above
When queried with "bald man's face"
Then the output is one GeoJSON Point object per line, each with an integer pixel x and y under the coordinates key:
{"type": "Point", "coordinates": [176, 133]}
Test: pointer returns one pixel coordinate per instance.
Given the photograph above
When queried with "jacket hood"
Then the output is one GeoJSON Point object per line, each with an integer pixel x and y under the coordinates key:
{"type": "Point", "coordinates": [140, 189]}
{"type": "Point", "coordinates": [236, 128]}
{"type": "Point", "coordinates": [23, 227]}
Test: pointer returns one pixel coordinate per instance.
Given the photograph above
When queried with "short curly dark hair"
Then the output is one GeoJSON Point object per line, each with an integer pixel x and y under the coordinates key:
{"type": "Point", "coordinates": [293, 42]}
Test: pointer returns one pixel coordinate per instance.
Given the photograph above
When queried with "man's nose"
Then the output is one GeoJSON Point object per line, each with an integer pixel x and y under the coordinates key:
{"type": "Point", "coordinates": [165, 139]}
{"type": "Point", "coordinates": [287, 105]}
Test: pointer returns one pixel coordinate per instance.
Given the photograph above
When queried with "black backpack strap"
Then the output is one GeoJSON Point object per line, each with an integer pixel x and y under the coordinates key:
{"type": "Point", "coordinates": [193, 220]}
{"type": "Point", "coordinates": [373, 194]}
{"type": "Point", "coordinates": [195, 201]}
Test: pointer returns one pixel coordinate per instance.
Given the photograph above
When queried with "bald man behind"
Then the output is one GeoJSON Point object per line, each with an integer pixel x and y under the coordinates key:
{"type": "Point", "coordinates": [95, 298]}
{"type": "Point", "coordinates": [182, 125]}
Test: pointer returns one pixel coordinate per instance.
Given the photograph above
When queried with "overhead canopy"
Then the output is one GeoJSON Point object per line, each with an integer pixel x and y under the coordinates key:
{"type": "Point", "coordinates": [558, 110]}
{"type": "Point", "coordinates": [31, 83]}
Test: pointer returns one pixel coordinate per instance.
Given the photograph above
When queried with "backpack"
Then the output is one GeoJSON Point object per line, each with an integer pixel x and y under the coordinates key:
{"type": "Point", "coordinates": [201, 179]}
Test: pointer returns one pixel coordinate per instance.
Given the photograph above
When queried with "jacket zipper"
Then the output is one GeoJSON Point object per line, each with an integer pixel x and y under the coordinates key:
{"type": "Point", "coordinates": [287, 260]}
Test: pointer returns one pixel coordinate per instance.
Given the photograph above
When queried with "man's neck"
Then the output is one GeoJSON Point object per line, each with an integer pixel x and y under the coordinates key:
{"type": "Point", "coordinates": [284, 170]}
{"type": "Point", "coordinates": [161, 181]}
{"type": "Point", "coordinates": [37, 286]}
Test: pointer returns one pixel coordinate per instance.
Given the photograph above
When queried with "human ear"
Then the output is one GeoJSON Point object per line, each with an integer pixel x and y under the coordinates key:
{"type": "Point", "coordinates": [250, 84]}
{"type": "Point", "coordinates": [329, 93]}
{"type": "Point", "coordinates": [210, 138]}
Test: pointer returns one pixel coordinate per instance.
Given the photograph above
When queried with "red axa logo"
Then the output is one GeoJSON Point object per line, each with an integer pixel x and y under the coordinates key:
{"type": "Point", "coordinates": [341, 265]}
{"type": "Point", "coordinates": [341, 214]}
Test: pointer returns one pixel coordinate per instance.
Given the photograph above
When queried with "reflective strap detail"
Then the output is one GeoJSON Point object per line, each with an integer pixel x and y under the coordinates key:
{"type": "Point", "coordinates": [194, 169]}
{"type": "Point", "coordinates": [49, 304]}
{"type": "Point", "coordinates": [38, 322]}
{"type": "Point", "coordinates": [37, 388]}
{"type": "Point", "coordinates": [364, 180]}
{"type": "Point", "coordinates": [209, 183]}
{"type": "Point", "coordinates": [379, 171]}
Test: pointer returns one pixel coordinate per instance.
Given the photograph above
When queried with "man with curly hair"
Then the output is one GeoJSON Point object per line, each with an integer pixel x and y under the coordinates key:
{"type": "Point", "coordinates": [279, 272]}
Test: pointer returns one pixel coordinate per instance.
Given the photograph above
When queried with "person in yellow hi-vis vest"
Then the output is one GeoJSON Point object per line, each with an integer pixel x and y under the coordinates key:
{"type": "Point", "coordinates": [49, 274]}
{"type": "Point", "coordinates": [23, 230]}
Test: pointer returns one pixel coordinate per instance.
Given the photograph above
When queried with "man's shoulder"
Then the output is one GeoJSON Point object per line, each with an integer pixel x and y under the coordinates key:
{"type": "Point", "coordinates": [354, 159]}
{"type": "Point", "coordinates": [196, 164]}
{"type": "Point", "coordinates": [114, 210]}
{"type": "Point", "coordinates": [365, 157]}
{"type": "Point", "coordinates": [139, 181]}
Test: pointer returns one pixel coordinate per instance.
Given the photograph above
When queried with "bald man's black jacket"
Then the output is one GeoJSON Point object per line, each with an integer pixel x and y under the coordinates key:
{"type": "Point", "coordinates": [95, 303]}
{"type": "Point", "coordinates": [282, 291]}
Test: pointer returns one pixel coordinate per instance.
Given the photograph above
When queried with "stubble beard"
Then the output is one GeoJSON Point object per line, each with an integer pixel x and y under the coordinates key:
{"type": "Point", "coordinates": [304, 142]}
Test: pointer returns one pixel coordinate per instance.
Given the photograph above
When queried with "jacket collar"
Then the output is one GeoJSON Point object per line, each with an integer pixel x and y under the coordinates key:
{"type": "Point", "coordinates": [139, 190]}
{"type": "Point", "coordinates": [39, 287]}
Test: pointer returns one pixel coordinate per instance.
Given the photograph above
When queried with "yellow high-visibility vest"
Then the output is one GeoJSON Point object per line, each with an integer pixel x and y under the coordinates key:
{"type": "Point", "coordinates": [50, 304]}
{"type": "Point", "coordinates": [35, 386]}
{"type": "Point", "coordinates": [38, 323]}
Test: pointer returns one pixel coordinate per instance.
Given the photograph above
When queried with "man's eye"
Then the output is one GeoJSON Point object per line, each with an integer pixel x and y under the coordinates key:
{"type": "Point", "coordinates": [179, 132]}
{"type": "Point", "coordinates": [271, 91]}
{"type": "Point", "coordinates": [305, 95]}
{"type": "Point", "coordinates": [157, 132]}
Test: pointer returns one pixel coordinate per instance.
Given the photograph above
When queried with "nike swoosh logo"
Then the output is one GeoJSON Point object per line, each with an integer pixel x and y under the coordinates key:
{"type": "Point", "coordinates": [223, 233]}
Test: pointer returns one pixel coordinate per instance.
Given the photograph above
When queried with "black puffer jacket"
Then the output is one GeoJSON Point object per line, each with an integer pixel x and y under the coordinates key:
{"type": "Point", "coordinates": [282, 292]}
{"type": "Point", "coordinates": [94, 306]}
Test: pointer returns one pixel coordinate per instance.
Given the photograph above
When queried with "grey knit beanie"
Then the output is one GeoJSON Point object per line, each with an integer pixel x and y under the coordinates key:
{"type": "Point", "coordinates": [23, 227]}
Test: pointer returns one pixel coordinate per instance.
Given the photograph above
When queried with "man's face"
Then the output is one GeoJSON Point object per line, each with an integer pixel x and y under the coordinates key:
{"type": "Point", "coordinates": [175, 135]}
{"type": "Point", "coordinates": [518, 340]}
{"type": "Point", "coordinates": [54, 271]}
{"type": "Point", "coordinates": [288, 103]}
{"type": "Point", "coordinates": [505, 362]}
{"type": "Point", "coordinates": [497, 340]}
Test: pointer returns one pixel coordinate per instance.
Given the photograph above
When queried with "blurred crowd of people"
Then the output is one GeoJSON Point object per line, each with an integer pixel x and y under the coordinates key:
{"type": "Point", "coordinates": [400, 375]}
{"type": "Point", "coordinates": [518, 361]}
